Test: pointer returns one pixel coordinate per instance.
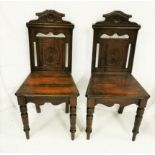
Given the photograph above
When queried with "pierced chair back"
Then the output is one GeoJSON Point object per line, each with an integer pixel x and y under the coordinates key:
{"type": "Point", "coordinates": [114, 43]}
{"type": "Point", "coordinates": [50, 39]}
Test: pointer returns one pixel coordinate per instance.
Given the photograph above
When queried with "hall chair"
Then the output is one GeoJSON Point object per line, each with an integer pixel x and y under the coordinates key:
{"type": "Point", "coordinates": [50, 79]}
{"type": "Point", "coordinates": [111, 80]}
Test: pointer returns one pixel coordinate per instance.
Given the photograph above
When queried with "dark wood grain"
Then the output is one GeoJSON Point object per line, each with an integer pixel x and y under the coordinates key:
{"type": "Point", "coordinates": [111, 80]}
{"type": "Point", "coordinates": [115, 84]}
{"type": "Point", "coordinates": [50, 21]}
{"type": "Point", "coordinates": [50, 79]}
{"type": "Point", "coordinates": [48, 83]}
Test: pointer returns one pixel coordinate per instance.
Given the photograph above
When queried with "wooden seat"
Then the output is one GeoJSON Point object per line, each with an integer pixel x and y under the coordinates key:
{"type": "Point", "coordinates": [111, 80]}
{"type": "Point", "coordinates": [115, 85]}
{"type": "Point", "coordinates": [48, 83]}
{"type": "Point", "coordinates": [50, 80]}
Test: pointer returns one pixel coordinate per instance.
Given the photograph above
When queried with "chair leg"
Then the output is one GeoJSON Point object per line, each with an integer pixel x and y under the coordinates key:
{"type": "Point", "coordinates": [138, 119]}
{"type": "Point", "coordinates": [120, 110]}
{"type": "Point", "coordinates": [24, 116]}
{"type": "Point", "coordinates": [73, 102]}
{"type": "Point", "coordinates": [90, 111]}
{"type": "Point", "coordinates": [67, 107]}
{"type": "Point", "coordinates": [38, 109]}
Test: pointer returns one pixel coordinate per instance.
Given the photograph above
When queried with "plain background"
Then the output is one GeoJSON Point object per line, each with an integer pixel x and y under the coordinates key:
{"type": "Point", "coordinates": [50, 129]}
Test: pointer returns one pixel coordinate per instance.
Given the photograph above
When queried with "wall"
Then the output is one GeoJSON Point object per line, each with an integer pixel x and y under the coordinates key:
{"type": "Point", "coordinates": [14, 48]}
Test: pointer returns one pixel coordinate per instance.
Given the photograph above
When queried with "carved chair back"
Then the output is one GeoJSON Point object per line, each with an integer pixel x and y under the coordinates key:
{"type": "Point", "coordinates": [114, 43]}
{"type": "Point", "coordinates": [50, 40]}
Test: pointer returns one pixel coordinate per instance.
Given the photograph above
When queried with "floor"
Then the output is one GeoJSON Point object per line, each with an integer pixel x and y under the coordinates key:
{"type": "Point", "coordinates": [49, 132]}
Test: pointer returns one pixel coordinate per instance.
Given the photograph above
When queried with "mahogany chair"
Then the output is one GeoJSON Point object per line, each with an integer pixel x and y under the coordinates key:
{"type": "Point", "coordinates": [112, 60]}
{"type": "Point", "coordinates": [50, 80]}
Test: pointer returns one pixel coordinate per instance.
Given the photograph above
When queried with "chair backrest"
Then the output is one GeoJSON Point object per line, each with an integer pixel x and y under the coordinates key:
{"type": "Point", "coordinates": [114, 43]}
{"type": "Point", "coordinates": [50, 40]}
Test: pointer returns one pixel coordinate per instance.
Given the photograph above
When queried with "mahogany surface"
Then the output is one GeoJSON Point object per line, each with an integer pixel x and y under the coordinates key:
{"type": "Point", "coordinates": [115, 84]}
{"type": "Point", "coordinates": [48, 83]}
{"type": "Point", "coordinates": [50, 80]}
{"type": "Point", "coordinates": [111, 80]}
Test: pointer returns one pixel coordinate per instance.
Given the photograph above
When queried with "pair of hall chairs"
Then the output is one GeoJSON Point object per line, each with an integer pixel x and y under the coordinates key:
{"type": "Point", "coordinates": [50, 80]}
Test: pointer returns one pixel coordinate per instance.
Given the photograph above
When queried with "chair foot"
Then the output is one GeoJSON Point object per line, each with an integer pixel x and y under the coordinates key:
{"type": "Point", "coordinates": [72, 136]}
{"type": "Point", "coordinates": [120, 110]}
{"type": "Point", "coordinates": [88, 136]}
{"type": "Point", "coordinates": [38, 109]}
{"type": "Point", "coordinates": [27, 134]}
{"type": "Point", "coordinates": [134, 137]}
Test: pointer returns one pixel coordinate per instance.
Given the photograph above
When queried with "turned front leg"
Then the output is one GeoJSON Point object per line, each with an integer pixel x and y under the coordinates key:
{"type": "Point", "coordinates": [90, 111]}
{"type": "Point", "coordinates": [73, 102]}
{"type": "Point", "coordinates": [24, 115]}
{"type": "Point", "coordinates": [138, 118]}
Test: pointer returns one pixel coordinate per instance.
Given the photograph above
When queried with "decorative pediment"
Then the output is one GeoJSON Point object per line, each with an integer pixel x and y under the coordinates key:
{"type": "Point", "coordinates": [50, 16]}
{"type": "Point", "coordinates": [117, 18]}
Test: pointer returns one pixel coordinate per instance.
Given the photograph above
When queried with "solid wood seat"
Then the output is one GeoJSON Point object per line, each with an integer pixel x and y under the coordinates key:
{"type": "Point", "coordinates": [111, 80]}
{"type": "Point", "coordinates": [50, 80]}
{"type": "Point", "coordinates": [48, 83]}
{"type": "Point", "coordinates": [115, 85]}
